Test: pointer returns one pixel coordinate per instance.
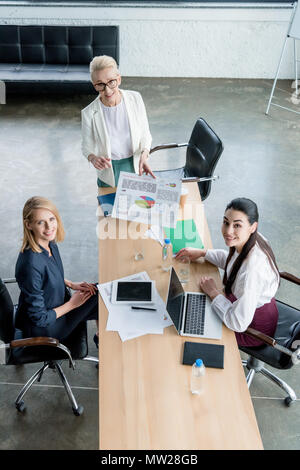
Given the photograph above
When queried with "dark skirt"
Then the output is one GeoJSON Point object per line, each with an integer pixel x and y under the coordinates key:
{"type": "Point", "coordinates": [65, 324]}
{"type": "Point", "coordinates": [265, 320]}
{"type": "Point", "coordinates": [126, 164]}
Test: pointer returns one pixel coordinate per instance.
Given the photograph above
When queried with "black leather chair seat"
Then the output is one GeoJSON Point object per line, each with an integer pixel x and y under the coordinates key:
{"type": "Point", "coordinates": [270, 355]}
{"type": "Point", "coordinates": [76, 343]}
{"type": "Point", "coordinates": [48, 351]}
{"type": "Point", "coordinates": [44, 73]}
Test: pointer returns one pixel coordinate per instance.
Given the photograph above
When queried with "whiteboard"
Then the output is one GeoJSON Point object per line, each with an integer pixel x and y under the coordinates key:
{"type": "Point", "coordinates": [294, 31]}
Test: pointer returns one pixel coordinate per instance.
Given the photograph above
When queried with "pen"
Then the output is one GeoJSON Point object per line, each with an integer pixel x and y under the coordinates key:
{"type": "Point", "coordinates": [143, 308]}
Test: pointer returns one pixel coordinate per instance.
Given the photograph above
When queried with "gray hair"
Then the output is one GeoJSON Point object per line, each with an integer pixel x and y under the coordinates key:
{"type": "Point", "coordinates": [101, 62]}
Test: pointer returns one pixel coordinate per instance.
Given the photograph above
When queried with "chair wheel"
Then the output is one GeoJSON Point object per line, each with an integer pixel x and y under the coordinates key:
{"type": "Point", "coordinates": [288, 401]}
{"type": "Point", "coordinates": [78, 411]}
{"type": "Point", "coordinates": [21, 406]}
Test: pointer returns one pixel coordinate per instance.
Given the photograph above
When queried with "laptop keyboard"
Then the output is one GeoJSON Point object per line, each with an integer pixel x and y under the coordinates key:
{"type": "Point", "coordinates": [195, 314]}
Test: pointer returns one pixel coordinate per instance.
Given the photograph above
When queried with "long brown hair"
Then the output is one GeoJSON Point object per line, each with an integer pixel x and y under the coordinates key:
{"type": "Point", "coordinates": [249, 208]}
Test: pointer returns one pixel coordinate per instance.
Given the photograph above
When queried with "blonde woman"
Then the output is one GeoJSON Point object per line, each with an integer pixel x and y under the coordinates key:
{"type": "Point", "coordinates": [45, 306]}
{"type": "Point", "coordinates": [115, 129]}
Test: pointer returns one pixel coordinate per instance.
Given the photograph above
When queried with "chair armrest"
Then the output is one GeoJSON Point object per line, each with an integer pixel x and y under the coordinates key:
{"type": "Point", "coordinates": [38, 341]}
{"type": "Point", "coordinates": [272, 342]}
{"type": "Point", "coordinates": [290, 277]}
{"type": "Point", "coordinates": [195, 179]}
{"type": "Point", "coordinates": [42, 341]}
{"type": "Point", "coordinates": [261, 336]}
{"type": "Point", "coordinates": [167, 146]}
{"type": "Point", "coordinates": [9, 280]}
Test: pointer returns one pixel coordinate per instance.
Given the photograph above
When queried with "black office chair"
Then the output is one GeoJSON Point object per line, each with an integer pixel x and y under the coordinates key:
{"type": "Point", "coordinates": [282, 351]}
{"type": "Point", "coordinates": [18, 350]}
{"type": "Point", "coordinates": [203, 152]}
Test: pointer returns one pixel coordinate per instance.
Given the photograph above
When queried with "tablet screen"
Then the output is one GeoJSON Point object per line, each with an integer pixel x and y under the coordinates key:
{"type": "Point", "coordinates": [134, 291]}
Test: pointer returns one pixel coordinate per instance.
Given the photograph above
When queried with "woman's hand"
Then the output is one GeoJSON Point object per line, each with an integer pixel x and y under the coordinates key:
{"type": "Point", "coordinates": [79, 298]}
{"type": "Point", "coordinates": [191, 253]}
{"type": "Point", "coordinates": [83, 287]}
{"type": "Point", "coordinates": [100, 163]}
{"type": "Point", "coordinates": [209, 287]}
{"type": "Point", "coordinates": [83, 291]}
{"type": "Point", "coordinates": [144, 166]}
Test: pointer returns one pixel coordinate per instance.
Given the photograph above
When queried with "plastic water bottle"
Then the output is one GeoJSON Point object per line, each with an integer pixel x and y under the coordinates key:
{"type": "Point", "coordinates": [198, 377]}
{"type": "Point", "coordinates": [167, 253]}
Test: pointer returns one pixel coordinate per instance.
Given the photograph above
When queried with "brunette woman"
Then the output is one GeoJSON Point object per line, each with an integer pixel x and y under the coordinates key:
{"type": "Point", "coordinates": [251, 276]}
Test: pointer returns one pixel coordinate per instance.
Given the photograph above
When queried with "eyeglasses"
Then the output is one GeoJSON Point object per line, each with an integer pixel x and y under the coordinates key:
{"type": "Point", "coordinates": [110, 84]}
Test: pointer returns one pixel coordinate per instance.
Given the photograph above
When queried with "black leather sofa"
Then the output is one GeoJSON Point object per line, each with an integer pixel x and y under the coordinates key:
{"type": "Point", "coordinates": [53, 57]}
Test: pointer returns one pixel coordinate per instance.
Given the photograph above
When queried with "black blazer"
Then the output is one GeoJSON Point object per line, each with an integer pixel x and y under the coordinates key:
{"type": "Point", "coordinates": [41, 280]}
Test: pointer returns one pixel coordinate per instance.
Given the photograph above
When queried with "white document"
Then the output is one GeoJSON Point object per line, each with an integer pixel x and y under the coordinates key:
{"type": "Point", "coordinates": [156, 233]}
{"type": "Point", "coordinates": [147, 200]}
{"type": "Point", "coordinates": [133, 323]}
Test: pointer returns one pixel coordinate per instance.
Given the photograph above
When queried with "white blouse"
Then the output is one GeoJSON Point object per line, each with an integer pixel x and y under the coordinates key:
{"type": "Point", "coordinates": [255, 285]}
{"type": "Point", "coordinates": [117, 124]}
{"type": "Point", "coordinates": [95, 138]}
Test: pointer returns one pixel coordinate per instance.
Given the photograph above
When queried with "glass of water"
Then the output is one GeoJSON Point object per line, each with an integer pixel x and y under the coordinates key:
{"type": "Point", "coordinates": [184, 269]}
{"type": "Point", "coordinates": [138, 249]}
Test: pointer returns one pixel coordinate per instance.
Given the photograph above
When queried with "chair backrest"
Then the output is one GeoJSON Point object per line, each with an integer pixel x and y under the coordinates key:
{"type": "Point", "coordinates": [288, 330]}
{"type": "Point", "coordinates": [66, 45]}
{"type": "Point", "coordinates": [6, 314]}
{"type": "Point", "coordinates": [202, 155]}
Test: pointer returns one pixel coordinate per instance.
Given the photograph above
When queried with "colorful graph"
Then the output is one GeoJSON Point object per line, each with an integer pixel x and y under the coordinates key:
{"type": "Point", "coordinates": [145, 202]}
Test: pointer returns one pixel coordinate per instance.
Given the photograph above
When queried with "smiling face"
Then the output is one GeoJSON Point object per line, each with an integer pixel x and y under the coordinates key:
{"type": "Point", "coordinates": [43, 225]}
{"type": "Point", "coordinates": [236, 229]}
{"type": "Point", "coordinates": [110, 96]}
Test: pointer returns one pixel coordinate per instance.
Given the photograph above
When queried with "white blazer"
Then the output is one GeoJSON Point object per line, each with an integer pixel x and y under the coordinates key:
{"type": "Point", "coordinates": [95, 138]}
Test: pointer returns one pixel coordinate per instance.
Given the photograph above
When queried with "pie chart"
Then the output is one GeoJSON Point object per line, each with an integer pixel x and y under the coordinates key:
{"type": "Point", "coordinates": [145, 202]}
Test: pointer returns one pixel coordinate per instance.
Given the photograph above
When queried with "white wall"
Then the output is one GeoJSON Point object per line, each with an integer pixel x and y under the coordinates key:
{"type": "Point", "coordinates": [182, 42]}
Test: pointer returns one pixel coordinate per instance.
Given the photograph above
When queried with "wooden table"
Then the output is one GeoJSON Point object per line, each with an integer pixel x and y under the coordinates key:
{"type": "Point", "coordinates": [145, 400]}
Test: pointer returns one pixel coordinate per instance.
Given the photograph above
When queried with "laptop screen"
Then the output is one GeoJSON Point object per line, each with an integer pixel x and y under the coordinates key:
{"type": "Point", "coordinates": [175, 300]}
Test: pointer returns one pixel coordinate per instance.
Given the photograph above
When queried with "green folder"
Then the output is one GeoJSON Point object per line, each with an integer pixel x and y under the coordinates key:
{"type": "Point", "coordinates": [184, 234]}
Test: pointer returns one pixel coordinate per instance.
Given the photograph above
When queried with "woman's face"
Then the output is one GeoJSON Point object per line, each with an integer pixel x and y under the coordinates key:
{"type": "Point", "coordinates": [236, 229]}
{"type": "Point", "coordinates": [43, 226]}
{"type": "Point", "coordinates": [109, 77]}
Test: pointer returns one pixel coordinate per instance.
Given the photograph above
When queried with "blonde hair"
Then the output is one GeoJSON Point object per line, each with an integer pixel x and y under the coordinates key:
{"type": "Point", "coordinates": [34, 203]}
{"type": "Point", "coordinates": [101, 62]}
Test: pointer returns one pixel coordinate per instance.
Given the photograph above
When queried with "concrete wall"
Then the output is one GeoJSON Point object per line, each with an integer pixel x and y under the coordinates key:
{"type": "Point", "coordinates": [182, 42]}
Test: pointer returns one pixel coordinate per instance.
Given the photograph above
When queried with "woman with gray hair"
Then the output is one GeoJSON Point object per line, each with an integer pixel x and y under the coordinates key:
{"type": "Point", "coordinates": [115, 129]}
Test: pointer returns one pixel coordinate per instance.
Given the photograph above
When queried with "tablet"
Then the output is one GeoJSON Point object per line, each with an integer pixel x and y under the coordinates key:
{"type": "Point", "coordinates": [132, 292]}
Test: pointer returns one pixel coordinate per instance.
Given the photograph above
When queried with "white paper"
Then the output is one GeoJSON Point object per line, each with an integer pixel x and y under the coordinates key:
{"type": "Point", "coordinates": [147, 200]}
{"type": "Point", "coordinates": [156, 233]}
{"type": "Point", "coordinates": [133, 323]}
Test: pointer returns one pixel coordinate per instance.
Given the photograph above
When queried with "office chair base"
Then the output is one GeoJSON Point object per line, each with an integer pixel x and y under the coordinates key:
{"type": "Point", "coordinates": [91, 359]}
{"type": "Point", "coordinates": [254, 366]}
{"type": "Point", "coordinates": [20, 405]}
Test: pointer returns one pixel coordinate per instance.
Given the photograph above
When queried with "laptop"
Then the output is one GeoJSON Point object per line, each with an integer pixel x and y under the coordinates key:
{"type": "Point", "coordinates": [191, 312]}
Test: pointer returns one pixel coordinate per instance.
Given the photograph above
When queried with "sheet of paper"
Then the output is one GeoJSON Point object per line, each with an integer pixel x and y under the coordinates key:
{"type": "Point", "coordinates": [156, 233]}
{"type": "Point", "coordinates": [133, 323]}
{"type": "Point", "coordinates": [147, 200]}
